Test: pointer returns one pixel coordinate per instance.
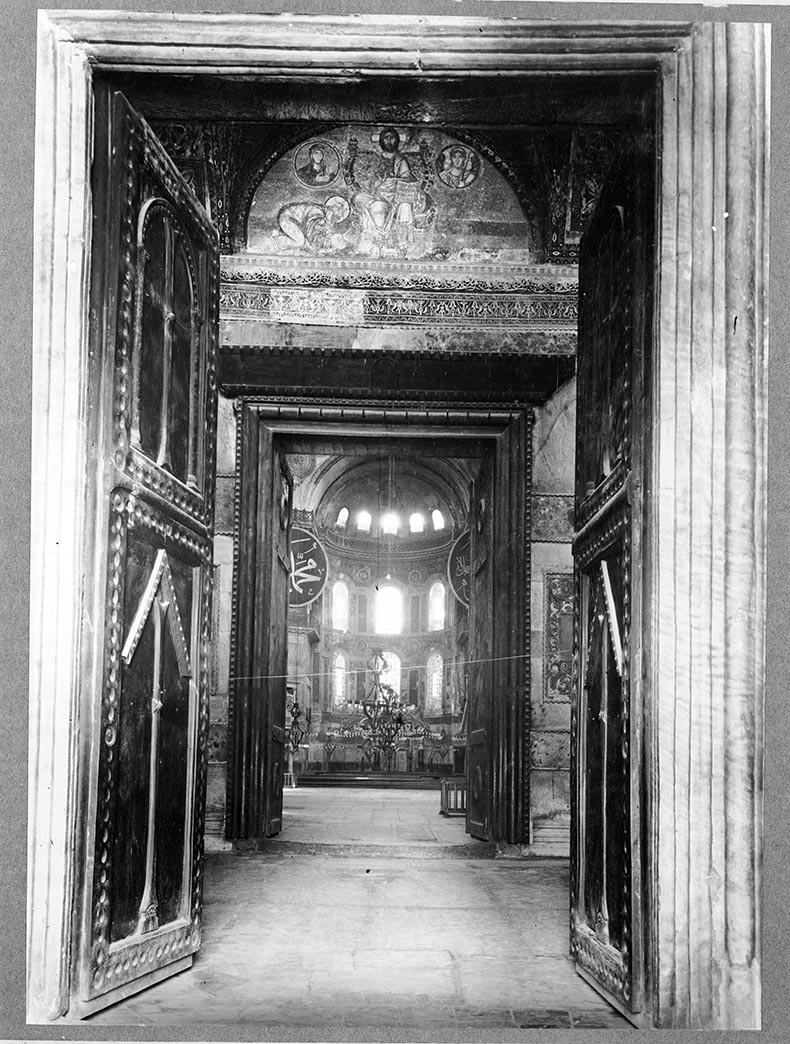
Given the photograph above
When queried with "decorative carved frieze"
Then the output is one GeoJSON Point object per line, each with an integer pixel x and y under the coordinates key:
{"type": "Point", "coordinates": [481, 275]}
{"type": "Point", "coordinates": [323, 306]}
{"type": "Point", "coordinates": [514, 310]}
{"type": "Point", "coordinates": [185, 145]}
{"type": "Point", "coordinates": [517, 298]}
{"type": "Point", "coordinates": [552, 518]}
{"type": "Point", "coordinates": [558, 638]}
{"type": "Point", "coordinates": [342, 307]}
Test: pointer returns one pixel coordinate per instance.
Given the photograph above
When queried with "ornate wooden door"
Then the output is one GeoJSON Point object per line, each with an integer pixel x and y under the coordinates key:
{"type": "Point", "coordinates": [274, 630]}
{"type": "Point", "coordinates": [260, 637]}
{"type": "Point", "coordinates": [153, 388]}
{"type": "Point", "coordinates": [612, 437]}
{"type": "Point", "coordinates": [480, 693]}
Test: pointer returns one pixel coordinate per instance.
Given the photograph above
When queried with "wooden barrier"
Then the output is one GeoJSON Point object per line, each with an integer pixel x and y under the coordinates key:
{"type": "Point", "coordinates": [453, 799]}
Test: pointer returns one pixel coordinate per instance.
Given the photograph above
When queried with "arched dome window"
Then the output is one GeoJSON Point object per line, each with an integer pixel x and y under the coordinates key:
{"type": "Point", "coordinates": [416, 523]}
{"type": "Point", "coordinates": [433, 688]}
{"type": "Point", "coordinates": [340, 605]}
{"type": "Point", "coordinates": [390, 523]}
{"type": "Point", "coordinates": [437, 518]}
{"type": "Point", "coordinates": [364, 521]}
{"type": "Point", "coordinates": [391, 673]}
{"type": "Point", "coordinates": [342, 518]}
{"type": "Point", "coordinates": [436, 606]}
{"type": "Point", "coordinates": [389, 610]}
{"type": "Point", "coordinates": [339, 674]}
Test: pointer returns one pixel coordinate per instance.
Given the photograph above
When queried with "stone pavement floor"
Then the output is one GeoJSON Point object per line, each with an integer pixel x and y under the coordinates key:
{"type": "Point", "coordinates": [429, 948]}
{"type": "Point", "coordinates": [353, 820]}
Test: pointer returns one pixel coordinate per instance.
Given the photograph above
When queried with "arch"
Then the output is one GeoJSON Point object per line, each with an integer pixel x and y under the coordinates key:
{"type": "Point", "coordinates": [390, 523]}
{"type": "Point", "coordinates": [166, 299]}
{"type": "Point", "coordinates": [339, 679]}
{"type": "Point", "coordinates": [340, 605]}
{"type": "Point", "coordinates": [437, 606]}
{"type": "Point", "coordinates": [342, 482]}
{"type": "Point", "coordinates": [434, 671]}
{"type": "Point", "coordinates": [391, 675]}
{"type": "Point", "coordinates": [437, 519]}
{"type": "Point", "coordinates": [274, 150]}
{"type": "Point", "coordinates": [389, 610]}
{"type": "Point", "coordinates": [342, 518]}
{"type": "Point", "coordinates": [258, 167]}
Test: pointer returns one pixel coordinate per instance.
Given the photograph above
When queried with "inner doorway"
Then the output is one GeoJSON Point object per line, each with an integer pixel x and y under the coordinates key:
{"type": "Point", "coordinates": [447, 471]}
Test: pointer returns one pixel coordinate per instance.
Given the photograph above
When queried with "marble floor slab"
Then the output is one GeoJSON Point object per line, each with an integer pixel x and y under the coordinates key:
{"type": "Point", "coordinates": [300, 940]}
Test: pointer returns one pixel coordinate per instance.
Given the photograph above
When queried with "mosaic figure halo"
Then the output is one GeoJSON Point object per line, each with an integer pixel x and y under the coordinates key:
{"type": "Point", "coordinates": [316, 163]}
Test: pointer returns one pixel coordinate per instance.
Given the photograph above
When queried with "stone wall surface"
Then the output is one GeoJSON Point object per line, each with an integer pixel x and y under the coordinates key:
{"type": "Point", "coordinates": [221, 616]}
{"type": "Point", "coordinates": [552, 607]}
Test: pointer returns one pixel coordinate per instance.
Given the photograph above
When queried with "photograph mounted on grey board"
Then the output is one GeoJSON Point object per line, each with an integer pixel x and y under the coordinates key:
{"type": "Point", "coordinates": [407, 638]}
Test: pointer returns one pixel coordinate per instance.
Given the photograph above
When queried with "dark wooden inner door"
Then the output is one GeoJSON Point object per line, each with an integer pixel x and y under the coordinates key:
{"type": "Point", "coordinates": [498, 693]}
{"type": "Point", "coordinates": [615, 320]}
{"type": "Point", "coordinates": [479, 749]}
{"type": "Point", "coordinates": [260, 639]}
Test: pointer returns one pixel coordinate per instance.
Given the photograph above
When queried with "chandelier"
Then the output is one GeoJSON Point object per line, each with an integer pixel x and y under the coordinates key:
{"type": "Point", "coordinates": [383, 713]}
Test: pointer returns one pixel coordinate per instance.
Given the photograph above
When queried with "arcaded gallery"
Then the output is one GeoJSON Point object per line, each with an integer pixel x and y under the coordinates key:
{"type": "Point", "coordinates": [398, 597]}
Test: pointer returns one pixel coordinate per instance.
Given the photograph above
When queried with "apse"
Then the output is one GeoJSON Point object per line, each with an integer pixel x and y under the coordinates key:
{"type": "Point", "coordinates": [378, 651]}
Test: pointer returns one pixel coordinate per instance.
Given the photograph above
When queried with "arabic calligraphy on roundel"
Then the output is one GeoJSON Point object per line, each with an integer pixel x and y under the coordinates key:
{"type": "Point", "coordinates": [303, 569]}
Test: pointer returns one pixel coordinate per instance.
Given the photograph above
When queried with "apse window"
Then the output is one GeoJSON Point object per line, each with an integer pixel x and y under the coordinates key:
{"type": "Point", "coordinates": [389, 611]}
{"type": "Point", "coordinates": [339, 680]}
{"type": "Point", "coordinates": [340, 606]}
{"type": "Point", "coordinates": [342, 518]}
{"type": "Point", "coordinates": [437, 518]}
{"type": "Point", "coordinates": [391, 674]}
{"type": "Point", "coordinates": [416, 523]}
{"type": "Point", "coordinates": [390, 523]}
{"type": "Point", "coordinates": [433, 689]}
{"type": "Point", "coordinates": [364, 521]}
{"type": "Point", "coordinates": [436, 606]}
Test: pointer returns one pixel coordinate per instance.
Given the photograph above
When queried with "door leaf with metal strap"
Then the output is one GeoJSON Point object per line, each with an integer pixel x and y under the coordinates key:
{"type": "Point", "coordinates": [259, 643]}
{"type": "Point", "coordinates": [615, 317]}
{"type": "Point", "coordinates": [479, 757]}
{"type": "Point", "coordinates": [153, 343]}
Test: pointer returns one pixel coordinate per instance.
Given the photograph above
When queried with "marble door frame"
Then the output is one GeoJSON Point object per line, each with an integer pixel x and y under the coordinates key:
{"type": "Point", "coordinates": [702, 659]}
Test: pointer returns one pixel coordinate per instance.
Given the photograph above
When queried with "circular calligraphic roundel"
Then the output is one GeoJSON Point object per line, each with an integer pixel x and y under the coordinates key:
{"type": "Point", "coordinates": [459, 568]}
{"type": "Point", "coordinates": [309, 567]}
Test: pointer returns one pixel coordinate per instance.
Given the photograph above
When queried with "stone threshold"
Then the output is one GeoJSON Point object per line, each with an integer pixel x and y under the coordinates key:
{"type": "Point", "coordinates": [427, 850]}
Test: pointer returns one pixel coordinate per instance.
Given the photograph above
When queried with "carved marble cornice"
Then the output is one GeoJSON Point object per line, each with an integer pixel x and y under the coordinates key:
{"type": "Point", "coordinates": [341, 307]}
{"type": "Point", "coordinates": [369, 274]}
{"type": "Point", "coordinates": [514, 297]}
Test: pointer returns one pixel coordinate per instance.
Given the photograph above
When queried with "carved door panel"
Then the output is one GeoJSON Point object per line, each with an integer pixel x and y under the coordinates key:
{"type": "Point", "coordinates": [480, 695]}
{"type": "Point", "coordinates": [260, 637]}
{"type": "Point", "coordinates": [153, 345]}
{"type": "Point", "coordinates": [612, 433]}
